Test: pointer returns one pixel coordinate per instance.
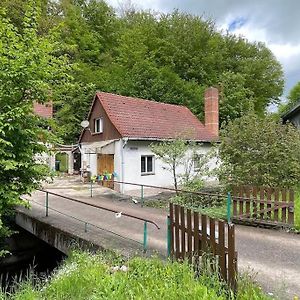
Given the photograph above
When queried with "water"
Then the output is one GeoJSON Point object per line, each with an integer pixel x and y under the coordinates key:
{"type": "Point", "coordinates": [28, 254]}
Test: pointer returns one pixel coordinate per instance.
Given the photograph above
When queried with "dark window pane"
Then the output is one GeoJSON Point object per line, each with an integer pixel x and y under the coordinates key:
{"type": "Point", "coordinates": [149, 164]}
{"type": "Point", "coordinates": [143, 164]}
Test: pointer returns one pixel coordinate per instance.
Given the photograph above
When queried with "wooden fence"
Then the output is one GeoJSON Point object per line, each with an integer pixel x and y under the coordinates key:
{"type": "Point", "coordinates": [192, 235]}
{"type": "Point", "coordinates": [263, 205]}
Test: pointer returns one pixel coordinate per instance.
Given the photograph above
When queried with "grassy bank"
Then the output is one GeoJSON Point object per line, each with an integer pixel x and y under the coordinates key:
{"type": "Point", "coordinates": [86, 276]}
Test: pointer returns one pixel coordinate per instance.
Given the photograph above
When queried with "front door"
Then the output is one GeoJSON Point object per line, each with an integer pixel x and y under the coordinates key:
{"type": "Point", "coordinates": [105, 164]}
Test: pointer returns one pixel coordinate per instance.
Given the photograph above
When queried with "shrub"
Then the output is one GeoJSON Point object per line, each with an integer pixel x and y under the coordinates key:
{"type": "Point", "coordinates": [259, 151]}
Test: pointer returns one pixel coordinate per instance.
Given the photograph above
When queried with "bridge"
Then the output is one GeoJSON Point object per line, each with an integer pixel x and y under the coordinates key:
{"type": "Point", "coordinates": [113, 222]}
{"type": "Point", "coordinates": [97, 222]}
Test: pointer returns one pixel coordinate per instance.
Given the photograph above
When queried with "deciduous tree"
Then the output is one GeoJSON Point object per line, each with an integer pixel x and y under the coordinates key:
{"type": "Point", "coordinates": [260, 151]}
{"type": "Point", "coordinates": [29, 71]}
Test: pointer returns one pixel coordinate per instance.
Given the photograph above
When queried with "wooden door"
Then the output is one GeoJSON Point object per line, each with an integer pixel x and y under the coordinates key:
{"type": "Point", "coordinates": [105, 164]}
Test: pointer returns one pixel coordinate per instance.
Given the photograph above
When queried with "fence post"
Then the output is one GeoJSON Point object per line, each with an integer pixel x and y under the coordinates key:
{"type": "Point", "coordinates": [91, 187]}
{"type": "Point", "coordinates": [168, 236]}
{"type": "Point", "coordinates": [228, 207]}
{"type": "Point", "coordinates": [142, 195]}
{"type": "Point", "coordinates": [47, 204]}
{"type": "Point", "coordinates": [145, 243]}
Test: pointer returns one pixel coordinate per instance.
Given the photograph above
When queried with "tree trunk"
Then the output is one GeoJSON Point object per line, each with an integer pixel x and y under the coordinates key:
{"type": "Point", "coordinates": [175, 178]}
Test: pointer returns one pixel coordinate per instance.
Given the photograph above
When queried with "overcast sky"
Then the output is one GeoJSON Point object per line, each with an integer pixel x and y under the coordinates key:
{"type": "Point", "coordinates": [275, 22]}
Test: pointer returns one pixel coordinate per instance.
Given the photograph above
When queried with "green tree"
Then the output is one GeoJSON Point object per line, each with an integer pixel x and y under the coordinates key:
{"type": "Point", "coordinates": [259, 151]}
{"type": "Point", "coordinates": [165, 57]}
{"type": "Point", "coordinates": [172, 154]}
{"type": "Point", "coordinates": [293, 99]}
{"type": "Point", "coordinates": [28, 72]}
{"type": "Point", "coordinates": [183, 161]}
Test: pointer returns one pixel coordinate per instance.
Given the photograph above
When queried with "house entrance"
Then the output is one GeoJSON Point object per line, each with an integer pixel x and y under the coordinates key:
{"type": "Point", "coordinates": [105, 164]}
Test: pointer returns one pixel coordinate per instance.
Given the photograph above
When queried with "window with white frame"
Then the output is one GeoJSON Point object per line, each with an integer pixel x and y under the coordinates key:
{"type": "Point", "coordinates": [147, 164]}
{"type": "Point", "coordinates": [197, 159]}
{"type": "Point", "coordinates": [98, 127]}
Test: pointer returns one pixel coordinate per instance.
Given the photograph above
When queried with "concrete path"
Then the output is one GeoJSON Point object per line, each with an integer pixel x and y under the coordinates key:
{"type": "Point", "coordinates": [274, 256]}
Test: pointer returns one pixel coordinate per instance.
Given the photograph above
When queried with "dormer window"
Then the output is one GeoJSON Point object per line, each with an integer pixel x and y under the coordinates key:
{"type": "Point", "coordinates": [98, 125]}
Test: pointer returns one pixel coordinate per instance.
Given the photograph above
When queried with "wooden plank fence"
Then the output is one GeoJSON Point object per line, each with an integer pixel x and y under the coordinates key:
{"type": "Point", "coordinates": [193, 234]}
{"type": "Point", "coordinates": [263, 205]}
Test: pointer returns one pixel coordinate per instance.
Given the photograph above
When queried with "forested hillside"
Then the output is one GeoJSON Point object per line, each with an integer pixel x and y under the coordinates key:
{"type": "Point", "coordinates": [165, 57]}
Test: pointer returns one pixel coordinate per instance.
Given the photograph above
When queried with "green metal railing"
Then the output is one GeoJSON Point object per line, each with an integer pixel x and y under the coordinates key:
{"type": "Point", "coordinates": [142, 200]}
{"type": "Point", "coordinates": [228, 207]}
{"type": "Point", "coordinates": [146, 221]}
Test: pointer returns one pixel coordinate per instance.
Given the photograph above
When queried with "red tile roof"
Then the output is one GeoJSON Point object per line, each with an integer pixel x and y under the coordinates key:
{"type": "Point", "coordinates": [139, 118]}
{"type": "Point", "coordinates": [43, 110]}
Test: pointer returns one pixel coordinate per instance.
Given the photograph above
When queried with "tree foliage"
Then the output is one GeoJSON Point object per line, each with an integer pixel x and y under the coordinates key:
{"type": "Point", "coordinates": [179, 158]}
{"type": "Point", "coordinates": [172, 154]}
{"type": "Point", "coordinates": [260, 151]}
{"type": "Point", "coordinates": [293, 99]}
{"type": "Point", "coordinates": [28, 72]}
{"type": "Point", "coordinates": [165, 57]}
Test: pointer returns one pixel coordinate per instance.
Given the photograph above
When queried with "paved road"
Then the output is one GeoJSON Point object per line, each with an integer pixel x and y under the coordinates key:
{"type": "Point", "coordinates": [273, 255]}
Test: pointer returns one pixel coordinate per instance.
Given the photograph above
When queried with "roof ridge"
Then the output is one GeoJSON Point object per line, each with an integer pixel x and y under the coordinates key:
{"type": "Point", "coordinates": [143, 99]}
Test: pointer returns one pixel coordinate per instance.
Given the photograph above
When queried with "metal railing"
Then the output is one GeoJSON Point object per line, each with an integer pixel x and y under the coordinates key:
{"type": "Point", "coordinates": [146, 221]}
{"type": "Point", "coordinates": [205, 194]}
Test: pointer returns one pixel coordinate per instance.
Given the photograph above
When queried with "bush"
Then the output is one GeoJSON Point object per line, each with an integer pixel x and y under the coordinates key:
{"type": "Point", "coordinates": [259, 151]}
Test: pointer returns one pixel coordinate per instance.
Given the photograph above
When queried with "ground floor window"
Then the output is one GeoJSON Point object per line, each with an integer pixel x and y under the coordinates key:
{"type": "Point", "coordinates": [147, 164]}
{"type": "Point", "coordinates": [197, 159]}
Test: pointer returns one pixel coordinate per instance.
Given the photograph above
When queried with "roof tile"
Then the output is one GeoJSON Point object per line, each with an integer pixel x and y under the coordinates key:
{"type": "Point", "coordinates": [139, 118]}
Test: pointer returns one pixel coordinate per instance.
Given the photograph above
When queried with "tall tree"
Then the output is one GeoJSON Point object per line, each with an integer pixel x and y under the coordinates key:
{"type": "Point", "coordinates": [28, 72]}
{"type": "Point", "coordinates": [165, 57]}
{"type": "Point", "coordinates": [260, 151]}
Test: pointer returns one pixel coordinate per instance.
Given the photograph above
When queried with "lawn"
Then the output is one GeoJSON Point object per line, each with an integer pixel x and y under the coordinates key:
{"type": "Point", "coordinates": [89, 276]}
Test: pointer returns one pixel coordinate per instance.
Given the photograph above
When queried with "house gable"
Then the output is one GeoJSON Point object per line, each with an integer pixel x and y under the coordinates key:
{"type": "Point", "coordinates": [109, 130]}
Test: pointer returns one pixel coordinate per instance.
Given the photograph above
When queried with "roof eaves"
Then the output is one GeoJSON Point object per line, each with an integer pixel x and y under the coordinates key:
{"type": "Point", "coordinates": [290, 112]}
{"type": "Point", "coordinates": [172, 139]}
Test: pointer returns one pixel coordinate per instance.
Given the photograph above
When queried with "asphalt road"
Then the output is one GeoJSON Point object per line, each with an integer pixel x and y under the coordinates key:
{"type": "Point", "coordinates": [273, 257]}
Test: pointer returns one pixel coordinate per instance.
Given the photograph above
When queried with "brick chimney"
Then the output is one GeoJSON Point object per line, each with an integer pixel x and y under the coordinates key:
{"type": "Point", "coordinates": [43, 110]}
{"type": "Point", "coordinates": [211, 98]}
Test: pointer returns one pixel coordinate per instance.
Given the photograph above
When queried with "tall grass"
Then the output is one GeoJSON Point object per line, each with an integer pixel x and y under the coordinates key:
{"type": "Point", "coordinates": [88, 276]}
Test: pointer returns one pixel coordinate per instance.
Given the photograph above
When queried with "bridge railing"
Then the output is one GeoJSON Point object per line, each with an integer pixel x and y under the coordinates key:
{"type": "Point", "coordinates": [116, 212]}
{"type": "Point", "coordinates": [145, 192]}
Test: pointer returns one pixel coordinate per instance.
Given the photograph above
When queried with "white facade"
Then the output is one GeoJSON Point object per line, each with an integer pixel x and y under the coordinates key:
{"type": "Point", "coordinates": [127, 162]}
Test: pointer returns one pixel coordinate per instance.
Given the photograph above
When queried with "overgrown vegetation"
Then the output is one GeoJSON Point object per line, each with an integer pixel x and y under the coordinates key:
{"type": "Point", "coordinates": [29, 71]}
{"type": "Point", "coordinates": [260, 152]}
{"type": "Point", "coordinates": [87, 276]}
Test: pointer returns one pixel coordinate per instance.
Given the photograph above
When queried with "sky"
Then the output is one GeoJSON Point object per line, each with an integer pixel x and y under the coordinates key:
{"type": "Point", "coordinates": [274, 22]}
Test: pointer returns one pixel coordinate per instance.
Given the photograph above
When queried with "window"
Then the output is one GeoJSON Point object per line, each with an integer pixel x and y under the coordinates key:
{"type": "Point", "coordinates": [197, 161]}
{"type": "Point", "coordinates": [98, 125]}
{"type": "Point", "coordinates": [147, 165]}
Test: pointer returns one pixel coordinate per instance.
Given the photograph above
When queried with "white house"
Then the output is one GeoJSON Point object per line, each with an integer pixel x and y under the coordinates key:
{"type": "Point", "coordinates": [122, 128]}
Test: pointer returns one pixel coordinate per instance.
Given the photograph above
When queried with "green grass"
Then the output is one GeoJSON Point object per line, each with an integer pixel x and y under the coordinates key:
{"type": "Point", "coordinates": [297, 210]}
{"type": "Point", "coordinates": [87, 276]}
